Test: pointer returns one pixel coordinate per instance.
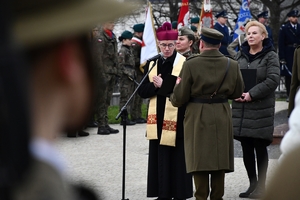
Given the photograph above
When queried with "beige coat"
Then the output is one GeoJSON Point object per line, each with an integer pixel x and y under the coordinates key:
{"type": "Point", "coordinates": [208, 134]}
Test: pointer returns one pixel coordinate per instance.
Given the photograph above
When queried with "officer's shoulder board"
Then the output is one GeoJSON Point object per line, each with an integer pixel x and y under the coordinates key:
{"type": "Point", "coordinates": [192, 56]}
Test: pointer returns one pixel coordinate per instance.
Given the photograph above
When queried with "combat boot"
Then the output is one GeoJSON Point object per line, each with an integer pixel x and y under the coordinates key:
{"type": "Point", "coordinates": [111, 130]}
{"type": "Point", "coordinates": [103, 131]}
{"type": "Point", "coordinates": [128, 122]}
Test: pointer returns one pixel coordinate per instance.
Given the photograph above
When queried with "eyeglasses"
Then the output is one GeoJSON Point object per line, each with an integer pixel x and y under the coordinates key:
{"type": "Point", "coordinates": [171, 45]}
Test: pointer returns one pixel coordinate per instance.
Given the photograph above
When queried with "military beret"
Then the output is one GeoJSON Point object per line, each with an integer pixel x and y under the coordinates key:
{"type": "Point", "coordinates": [195, 20]}
{"type": "Point", "coordinates": [264, 14]}
{"type": "Point", "coordinates": [293, 13]}
{"type": "Point", "coordinates": [185, 31]}
{"type": "Point", "coordinates": [223, 13]}
{"type": "Point", "coordinates": [211, 35]}
{"type": "Point", "coordinates": [174, 24]}
{"type": "Point", "coordinates": [126, 35]}
{"type": "Point", "coordinates": [194, 28]}
{"type": "Point", "coordinates": [139, 27]}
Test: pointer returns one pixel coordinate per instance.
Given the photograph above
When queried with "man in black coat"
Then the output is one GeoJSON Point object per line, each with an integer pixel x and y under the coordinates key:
{"type": "Point", "coordinates": [289, 39]}
{"type": "Point", "coordinates": [220, 25]}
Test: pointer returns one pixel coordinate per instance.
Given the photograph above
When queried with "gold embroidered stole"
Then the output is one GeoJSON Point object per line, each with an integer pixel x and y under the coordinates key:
{"type": "Point", "coordinates": [168, 135]}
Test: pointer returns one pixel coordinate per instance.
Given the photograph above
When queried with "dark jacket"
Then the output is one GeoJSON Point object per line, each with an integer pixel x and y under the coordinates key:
{"type": "Point", "coordinates": [255, 119]}
{"type": "Point", "coordinates": [226, 39]}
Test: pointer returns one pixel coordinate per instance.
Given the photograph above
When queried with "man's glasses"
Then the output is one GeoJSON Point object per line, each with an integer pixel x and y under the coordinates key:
{"type": "Point", "coordinates": [171, 45]}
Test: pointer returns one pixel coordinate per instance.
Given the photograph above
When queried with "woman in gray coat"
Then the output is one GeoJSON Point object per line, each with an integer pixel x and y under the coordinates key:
{"type": "Point", "coordinates": [253, 112]}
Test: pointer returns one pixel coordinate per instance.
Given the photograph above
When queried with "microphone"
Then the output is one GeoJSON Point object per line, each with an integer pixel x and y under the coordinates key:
{"type": "Point", "coordinates": [155, 57]}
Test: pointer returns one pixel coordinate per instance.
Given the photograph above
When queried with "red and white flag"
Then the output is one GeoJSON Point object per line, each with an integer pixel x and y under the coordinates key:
{"type": "Point", "coordinates": [149, 45]}
{"type": "Point", "coordinates": [184, 14]}
{"type": "Point", "coordinates": [206, 17]}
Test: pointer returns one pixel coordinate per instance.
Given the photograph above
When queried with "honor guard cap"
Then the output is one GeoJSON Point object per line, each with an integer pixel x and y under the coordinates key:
{"type": "Point", "coordinates": [211, 35]}
{"type": "Point", "coordinates": [126, 35]}
{"type": "Point", "coordinates": [194, 28]}
{"type": "Point", "coordinates": [174, 24]}
{"type": "Point", "coordinates": [139, 28]}
{"type": "Point", "coordinates": [293, 13]}
{"type": "Point", "coordinates": [38, 22]}
{"type": "Point", "coordinates": [195, 20]}
{"type": "Point", "coordinates": [264, 14]}
{"type": "Point", "coordinates": [185, 31]}
{"type": "Point", "coordinates": [222, 14]}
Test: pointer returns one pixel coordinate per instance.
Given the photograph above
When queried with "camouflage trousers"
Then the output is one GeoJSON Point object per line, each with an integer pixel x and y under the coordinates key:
{"type": "Point", "coordinates": [103, 98]}
{"type": "Point", "coordinates": [126, 90]}
{"type": "Point", "coordinates": [136, 111]}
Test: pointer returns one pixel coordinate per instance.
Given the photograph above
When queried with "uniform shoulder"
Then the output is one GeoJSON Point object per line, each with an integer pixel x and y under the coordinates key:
{"type": "Point", "coordinates": [192, 56]}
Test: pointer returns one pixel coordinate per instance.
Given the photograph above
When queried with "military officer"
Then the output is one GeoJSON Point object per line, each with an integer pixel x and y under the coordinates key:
{"type": "Point", "coordinates": [204, 85]}
{"type": "Point", "coordinates": [185, 41]}
{"type": "Point", "coordinates": [220, 25]}
{"type": "Point", "coordinates": [289, 39]}
{"type": "Point", "coordinates": [195, 46]}
{"type": "Point", "coordinates": [126, 63]}
{"type": "Point", "coordinates": [136, 110]}
{"type": "Point", "coordinates": [263, 18]}
{"type": "Point", "coordinates": [108, 53]}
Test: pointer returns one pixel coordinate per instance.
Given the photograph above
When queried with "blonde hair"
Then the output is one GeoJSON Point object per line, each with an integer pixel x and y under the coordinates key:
{"type": "Point", "coordinates": [260, 26]}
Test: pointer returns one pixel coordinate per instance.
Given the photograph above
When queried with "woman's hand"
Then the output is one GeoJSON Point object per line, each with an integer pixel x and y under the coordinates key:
{"type": "Point", "coordinates": [244, 98]}
{"type": "Point", "coordinates": [157, 81]}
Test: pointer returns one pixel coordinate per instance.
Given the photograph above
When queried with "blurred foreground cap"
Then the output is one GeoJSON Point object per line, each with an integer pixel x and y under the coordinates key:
{"type": "Point", "coordinates": [41, 21]}
{"type": "Point", "coordinates": [211, 35]}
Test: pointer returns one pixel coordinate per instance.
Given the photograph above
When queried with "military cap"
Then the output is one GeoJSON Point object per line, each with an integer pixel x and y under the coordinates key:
{"type": "Point", "coordinates": [174, 24]}
{"type": "Point", "coordinates": [139, 28]}
{"type": "Point", "coordinates": [185, 31]}
{"type": "Point", "coordinates": [264, 14]}
{"type": "Point", "coordinates": [37, 23]}
{"type": "Point", "coordinates": [211, 35]}
{"type": "Point", "coordinates": [195, 20]}
{"type": "Point", "coordinates": [293, 13]}
{"type": "Point", "coordinates": [223, 13]}
{"type": "Point", "coordinates": [194, 28]}
{"type": "Point", "coordinates": [126, 35]}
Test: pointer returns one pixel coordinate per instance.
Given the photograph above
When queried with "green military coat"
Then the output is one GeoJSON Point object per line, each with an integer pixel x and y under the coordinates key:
{"type": "Point", "coordinates": [208, 133]}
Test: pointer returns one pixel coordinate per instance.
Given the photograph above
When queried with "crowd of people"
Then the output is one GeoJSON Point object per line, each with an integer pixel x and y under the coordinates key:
{"type": "Point", "coordinates": [190, 124]}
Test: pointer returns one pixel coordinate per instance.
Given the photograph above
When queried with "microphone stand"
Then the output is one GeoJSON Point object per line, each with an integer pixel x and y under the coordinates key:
{"type": "Point", "coordinates": [124, 116]}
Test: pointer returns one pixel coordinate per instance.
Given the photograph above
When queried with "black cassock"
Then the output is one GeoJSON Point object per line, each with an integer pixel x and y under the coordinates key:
{"type": "Point", "coordinates": [167, 177]}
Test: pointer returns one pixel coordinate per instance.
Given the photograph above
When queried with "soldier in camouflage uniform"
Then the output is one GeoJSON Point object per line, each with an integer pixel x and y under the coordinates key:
{"type": "Point", "coordinates": [126, 64]}
{"type": "Point", "coordinates": [185, 41]}
{"type": "Point", "coordinates": [195, 46]}
{"type": "Point", "coordinates": [108, 63]}
{"type": "Point", "coordinates": [136, 111]}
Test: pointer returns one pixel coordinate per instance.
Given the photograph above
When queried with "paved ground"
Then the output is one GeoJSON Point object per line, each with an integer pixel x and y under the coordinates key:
{"type": "Point", "coordinates": [96, 160]}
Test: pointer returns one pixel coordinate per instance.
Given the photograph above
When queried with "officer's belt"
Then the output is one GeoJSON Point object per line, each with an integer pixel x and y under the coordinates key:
{"type": "Point", "coordinates": [293, 45]}
{"type": "Point", "coordinates": [200, 100]}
